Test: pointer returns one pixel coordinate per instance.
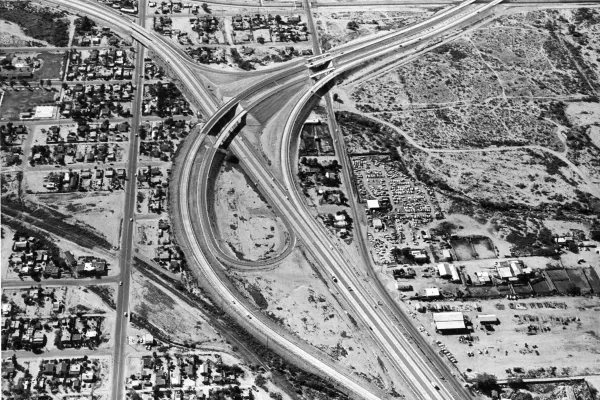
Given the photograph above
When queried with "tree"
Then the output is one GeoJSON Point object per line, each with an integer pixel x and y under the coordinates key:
{"type": "Point", "coordinates": [206, 9]}
{"type": "Point", "coordinates": [260, 380]}
{"type": "Point", "coordinates": [573, 248]}
{"type": "Point", "coordinates": [486, 382]}
{"type": "Point", "coordinates": [48, 82]}
{"type": "Point", "coordinates": [353, 26]}
{"type": "Point", "coordinates": [260, 40]}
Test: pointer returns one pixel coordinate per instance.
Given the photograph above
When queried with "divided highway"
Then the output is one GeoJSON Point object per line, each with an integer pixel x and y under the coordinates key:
{"type": "Point", "coordinates": [401, 353]}
{"type": "Point", "coordinates": [424, 384]}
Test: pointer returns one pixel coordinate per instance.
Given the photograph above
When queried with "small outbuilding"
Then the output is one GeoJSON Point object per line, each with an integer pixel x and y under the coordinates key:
{"type": "Point", "coordinates": [487, 319]}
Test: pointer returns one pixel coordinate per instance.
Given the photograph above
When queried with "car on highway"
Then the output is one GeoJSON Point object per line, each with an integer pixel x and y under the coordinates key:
{"type": "Point", "coordinates": [120, 283]}
{"type": "Point", "coordinates": [130, 219]}
{"type": "Point", "coordinates": [125, 314]}
{"type": "Point", "coordinates": [334, 279]}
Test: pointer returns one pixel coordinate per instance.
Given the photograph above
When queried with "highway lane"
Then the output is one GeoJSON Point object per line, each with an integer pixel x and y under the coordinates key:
{"type": "Point", "coordinates": [364, 295]}
{"type": "Point", "coordinates": [380, 326]}
{"type": "Point", "coordinates": [362, 240]}
{"type": "Point", "coordinates": [187, 78]}
{"type": "Point", "coordinates": [126, 257]}
{"type": "Point", "coordinates": [358, 47]}
{"type": "Point", "coordinates": [192, 239]}
{"type": "Point", "coordinates": [437, 362]}
{"type": "Point", "coordinates": [202, 203]}
{"type": "Point", "coordinates": [319, 244]}
{"type": "Point", "coordinates": [345, 171]}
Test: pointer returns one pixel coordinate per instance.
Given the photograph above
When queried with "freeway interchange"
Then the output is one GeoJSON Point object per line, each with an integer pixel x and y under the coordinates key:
{"type": "Point", "coordinates": [426, 376]}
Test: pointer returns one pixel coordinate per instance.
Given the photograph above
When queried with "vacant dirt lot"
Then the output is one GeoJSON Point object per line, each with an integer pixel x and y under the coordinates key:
{"type": "Point", "coordinates": [571, 343]}
{"type": "Point", "coordinates": [169, 314]}
{"type": "Point", "coordinates": [294, 295]}
{"type": "Point", "coordinates": [246, 222]}
{"type": "Point", "coordinates": [90, 208]}
{"type": "Point", "coordinates": [337, 28]}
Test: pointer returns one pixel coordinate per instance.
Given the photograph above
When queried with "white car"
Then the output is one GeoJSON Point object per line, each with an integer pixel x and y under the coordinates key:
{"type": "Point", "coordinates": [125, 313]}
{"type": "Point", "coordinates": [120, 283]}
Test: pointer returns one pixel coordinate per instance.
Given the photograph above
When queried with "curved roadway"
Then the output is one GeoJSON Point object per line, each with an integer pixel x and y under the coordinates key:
{"type": "Point", "coordinates": [334, 262]}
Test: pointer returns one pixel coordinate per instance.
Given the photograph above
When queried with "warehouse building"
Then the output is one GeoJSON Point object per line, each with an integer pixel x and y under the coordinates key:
{"type": "Point", "coordinates": [446, 322]}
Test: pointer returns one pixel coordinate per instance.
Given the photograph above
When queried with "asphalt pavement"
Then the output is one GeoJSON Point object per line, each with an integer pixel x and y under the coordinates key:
{"type": "Point", "coordinates": [126, 257]}
{"type": "Point", "coordinates": [182, 67]}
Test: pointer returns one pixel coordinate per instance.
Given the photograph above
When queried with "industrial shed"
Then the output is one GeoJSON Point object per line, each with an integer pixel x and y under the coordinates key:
{"type": "Point", "coordinates": [449, 321]}
{"type": "Point", "coordinates": [488, 319]}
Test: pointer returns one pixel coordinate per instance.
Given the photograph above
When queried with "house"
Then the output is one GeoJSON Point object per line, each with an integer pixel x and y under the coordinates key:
{"type": "Point", "coordinates": [62, 369]}
{"type": "Point", "coordinates": [49, 368]}
{"type": "Point", "coordinates": [21, 245]}
{"type": "Point", "coordinates": [8, 369]}
{"type": "Point", "coordinates": [147, 362]}
{"type": "Point", "coordinates": [38, 338]}
{"type": "Point", "coordinates": [74, 370]}
{"type": "Point", "coordinates": [65, 340]}
{"type": "Point", "coordinates": [99, 266]}
{"type": "Point", "coordinates": [189, 370]}
{"type": "Point", "coordinates": [76, 339]}
{"type": "Point", "coordinates": [70, 258]}
{"type": "Point", "coordinates": [148, 339]}
{"type": "Point", "coordinates": [88, 377]}
{"type": "Point", "coordinates": [160, 382]}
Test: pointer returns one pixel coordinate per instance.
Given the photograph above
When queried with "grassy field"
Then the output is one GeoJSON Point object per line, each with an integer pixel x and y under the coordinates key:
{"type": "Point", "coordinates": [14, 103]}
{"type": "Point", "coordinates": [39, 23]}
{"type": "Point", "coordinates": [51, 67]}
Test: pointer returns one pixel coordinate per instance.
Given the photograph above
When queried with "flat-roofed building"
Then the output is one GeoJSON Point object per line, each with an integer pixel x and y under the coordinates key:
{"type": "Point", "coordinates": [487, 319]}
{"type": "Point", "coordinates": [447, 321]}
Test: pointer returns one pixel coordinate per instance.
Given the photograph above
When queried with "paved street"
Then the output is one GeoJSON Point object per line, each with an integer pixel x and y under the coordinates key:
{"type": "Point", "coordinates": [424, 374]}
